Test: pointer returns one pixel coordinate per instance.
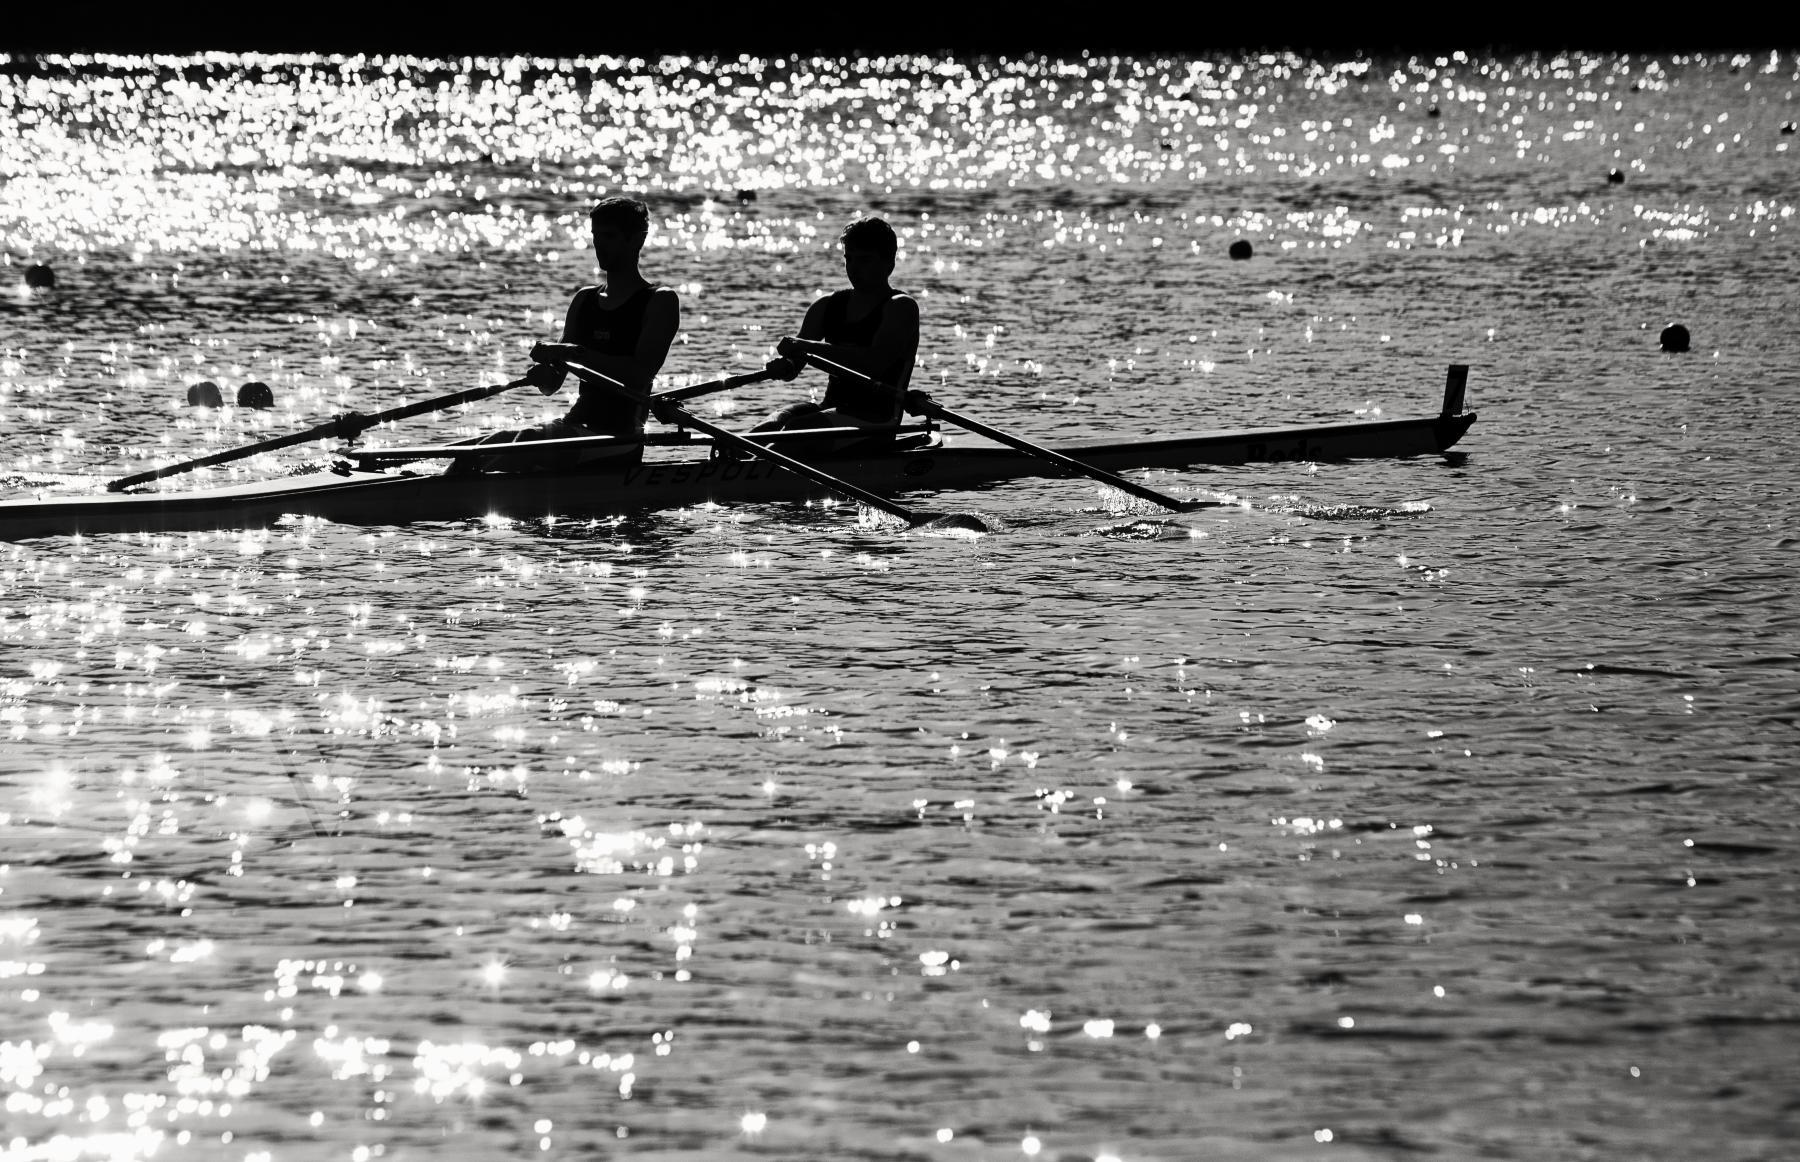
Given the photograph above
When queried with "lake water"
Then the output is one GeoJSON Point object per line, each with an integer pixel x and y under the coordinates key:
{"type": "Point", "coordinates": [1438, 807]}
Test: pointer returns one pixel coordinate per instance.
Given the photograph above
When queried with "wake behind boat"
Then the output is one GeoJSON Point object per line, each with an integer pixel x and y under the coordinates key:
{"type": "Point", "coordinates": [681, 469]}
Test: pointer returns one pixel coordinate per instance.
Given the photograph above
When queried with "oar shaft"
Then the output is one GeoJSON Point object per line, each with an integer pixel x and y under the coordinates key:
{"type": "Point", "coordinates": [800, 467]}
{"type": "Point", "coordinates": [435, 404]}
{"type": "Point", "coordinates": [347, 426]}
{"type": "Point", "coordinates": [729, 383]}
{"type": "Point", "coordinates": [321, 432]}
{"type": "Point", "coordinates": [919, 403]}
{"type": "Point", "coordinates": [725, 436]}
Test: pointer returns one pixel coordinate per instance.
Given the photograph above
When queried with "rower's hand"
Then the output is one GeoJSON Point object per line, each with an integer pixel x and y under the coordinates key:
{"type": "Point", "coordinates": [350, 425]}
{"type": "Point", "coordinates": [781, 367]}
{"type": "Point", "coordinates": [555, 354]}
{"type": "Point", "coordinates": [545, 377]}
{"type": "Point", "coordinates": [793, 349]}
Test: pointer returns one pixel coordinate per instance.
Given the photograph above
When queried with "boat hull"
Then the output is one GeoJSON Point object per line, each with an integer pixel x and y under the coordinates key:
{"type": "Point", "coordinates": [961, 461]}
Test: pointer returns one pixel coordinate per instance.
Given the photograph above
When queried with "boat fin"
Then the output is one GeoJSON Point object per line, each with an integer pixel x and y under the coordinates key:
{"type": "Point", "coordinates": [1454, 385]}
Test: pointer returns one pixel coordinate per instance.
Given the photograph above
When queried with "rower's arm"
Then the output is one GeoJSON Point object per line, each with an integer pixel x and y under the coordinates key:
{"type": "Point", "coordinates": [894, 339]}
{"type": "Point", "coordinates": [662, 320]}
{"type": "Point", "coordinates": [812, 327]}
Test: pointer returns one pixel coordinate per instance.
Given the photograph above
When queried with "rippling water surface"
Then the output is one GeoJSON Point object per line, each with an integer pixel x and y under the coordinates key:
{"type": "Point", "coordinates": [1438, 807]}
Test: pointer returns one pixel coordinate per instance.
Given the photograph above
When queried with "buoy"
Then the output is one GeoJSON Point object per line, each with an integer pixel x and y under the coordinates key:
{"type": "Point", "coordinates": [745, 197]}
{"type": "Point", "coordinates": [1787, 127]}
{"type": "Point", "coordinates": [256, 394]}
{"type": "Point", "coordinates": [1240, 250]}
{"type": "Point", "coordinates": [204, 394]}
{"type": "Point", "coordinates": [1433, 112]}
{"type": "Point", "coordinates": [1616, 177]}
{"type": "Point", "coordinates": [39, 276]}
{"type": "Point", "coordinates": [1674, 337]}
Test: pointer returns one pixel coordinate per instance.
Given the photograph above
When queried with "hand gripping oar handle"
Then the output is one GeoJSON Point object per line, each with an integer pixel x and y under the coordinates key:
{"type": "Point", "coordinates": [345, 426]}
{"type": "Point", "coordinates": [921, 404]}
{"type": "Point", "coordinates": [724, 436]}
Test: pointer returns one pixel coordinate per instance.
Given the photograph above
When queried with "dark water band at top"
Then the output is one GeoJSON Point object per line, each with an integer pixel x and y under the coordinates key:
{"type": "Point", "coordinates": [813, 26]}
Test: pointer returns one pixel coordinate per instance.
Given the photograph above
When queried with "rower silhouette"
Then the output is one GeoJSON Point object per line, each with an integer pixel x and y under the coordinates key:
{"type": "Point", "coordinates": [870, 328]}
{"type": "Point", "coordinates": [621, 328]}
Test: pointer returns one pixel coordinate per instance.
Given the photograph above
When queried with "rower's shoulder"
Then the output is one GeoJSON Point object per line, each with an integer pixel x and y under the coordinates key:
{"type": "Point", "coordinates": [664, 300]}
{"type": "Point", "coordinates": [831, 304]}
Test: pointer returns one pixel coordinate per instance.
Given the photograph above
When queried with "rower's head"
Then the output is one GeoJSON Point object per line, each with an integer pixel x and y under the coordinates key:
{"type": "Point", "coordinates": [627, 215]}
{"type": "Point", "coordinates": [870, 249]}
{"type": "Point", "coordinates": [620, 226]}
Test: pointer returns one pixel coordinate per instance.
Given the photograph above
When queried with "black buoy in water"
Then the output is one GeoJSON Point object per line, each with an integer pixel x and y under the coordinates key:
{"type": "Point", "coordinates": [1616, 177]}
{"type": "Point", "coordinates": [1674, 337]}
{"type": "Point", "coordinates": [255, 394]}
{"type": "Point", "coordinates": [745, 197]}
{"type": "Point", "coordinates": [1240, 250]}
{"type": "Point", "coordinates": [39, 277]}
{"type": "Point", "coordinates": [205, 394]}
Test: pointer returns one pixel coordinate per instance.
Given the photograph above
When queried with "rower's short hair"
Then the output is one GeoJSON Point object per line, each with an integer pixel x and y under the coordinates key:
{"type": "Point", "coordinates": [626, 214]}
{"type": "Point", "coordinates": [871, 234]}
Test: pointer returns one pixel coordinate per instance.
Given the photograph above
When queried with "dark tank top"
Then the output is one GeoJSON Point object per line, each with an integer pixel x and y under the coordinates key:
{"type": "Point", "coordinates": [614, 332]}
{"type": "Point", "coordinates": [852, 396]}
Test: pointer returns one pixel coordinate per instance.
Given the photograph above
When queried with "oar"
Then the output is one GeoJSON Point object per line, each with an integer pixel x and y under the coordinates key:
{"type": "Point", "coordinates": [920, 403]}
{"type": "Point", "coordinates": [729, 383]}
{"type": "Point", "coordinates": [347, 426]}
{"type": "Point", "coordinates": [667, 409]}
{"type": "Point", "coordinates": [535, 447]}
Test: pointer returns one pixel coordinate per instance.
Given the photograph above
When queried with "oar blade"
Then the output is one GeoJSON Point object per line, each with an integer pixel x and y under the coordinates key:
{"type": "Point", "coordinates": [952, 522]}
